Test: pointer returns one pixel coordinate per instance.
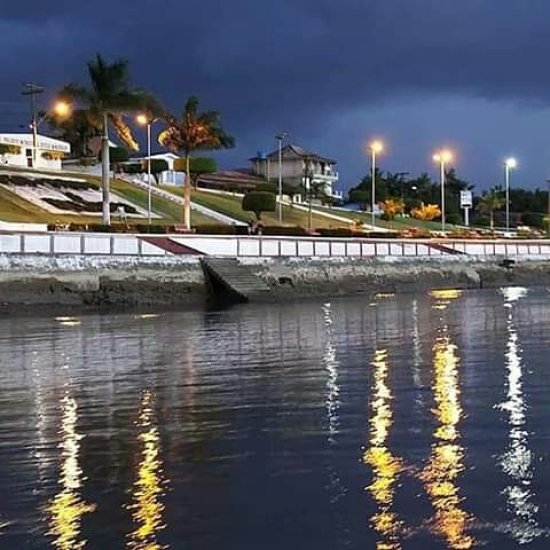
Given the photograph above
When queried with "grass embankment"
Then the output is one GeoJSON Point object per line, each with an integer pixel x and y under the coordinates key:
{"type": "Point", "coordinates": [231, 206]}
{"type": "Point", "coordinates": [14, 208]}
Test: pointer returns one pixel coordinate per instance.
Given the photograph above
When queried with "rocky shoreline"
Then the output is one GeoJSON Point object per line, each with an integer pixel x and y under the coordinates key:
{"type": "Point", "coordinates": [85, 282]}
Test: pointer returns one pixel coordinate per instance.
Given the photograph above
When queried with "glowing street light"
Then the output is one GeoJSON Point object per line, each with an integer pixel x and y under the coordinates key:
{"type": "Point", "coordinates": [147, 121]}
{"type": "Point", "coordinates": [509, 164]}
{"type": "Point", "coordinates": [443, 157]}
{"type": "Point", "coordinates": [375, 148]}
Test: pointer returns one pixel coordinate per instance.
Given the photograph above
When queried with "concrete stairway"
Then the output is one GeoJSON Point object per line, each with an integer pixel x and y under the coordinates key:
{"type": "Point", "coordinates": [227, 274]}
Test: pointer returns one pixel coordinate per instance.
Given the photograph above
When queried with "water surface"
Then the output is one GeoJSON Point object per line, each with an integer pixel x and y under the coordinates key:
{"type": "Point", "coordinates": [404, 422]}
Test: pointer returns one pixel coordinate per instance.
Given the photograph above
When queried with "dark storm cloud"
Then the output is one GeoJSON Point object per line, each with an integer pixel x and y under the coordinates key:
{"type": "Point", "coordinates": [290, 62]}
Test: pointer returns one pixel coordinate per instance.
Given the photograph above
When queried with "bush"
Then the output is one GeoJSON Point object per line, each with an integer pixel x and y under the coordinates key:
{"type": "Point", "coordinates": [258, 202]}
{"type": "Point", "coordinates": [295, 231]}
{"type": "Point", "coordinates": [87, 161]}
{"type": "Point", "coordinates": [533, 219]}
{"type": "Point", "coordinates": [153, 228]}
{"type": "Point", "coordinates": [336, 232]}
{"type": "Point", "coordinates": [266, 188]}
{"type": "Point", "coordinates": [483, 221]}
{"type": "Point", "coordinates": [453, 218]}
{"type": "Point", "coordinates": [215, 229]}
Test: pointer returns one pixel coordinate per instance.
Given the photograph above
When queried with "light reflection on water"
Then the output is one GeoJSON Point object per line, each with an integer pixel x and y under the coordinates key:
{"type": "Point", "coordinates": [249, 411]}
{"type": "Point", "coordinates": [149, 488]}
{"type": "Point", "coordinates": [517, 462]}
{"type": "Point", "coordinates": [66, 509]}
{"type": "Point", "coordinates": [385, 467]}
{"type": "Point", "coordinates": [441, 476]}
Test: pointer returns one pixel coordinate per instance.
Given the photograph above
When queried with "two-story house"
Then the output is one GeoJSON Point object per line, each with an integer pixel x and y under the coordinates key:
{"type": "Point", "coordinates": [297, 163]}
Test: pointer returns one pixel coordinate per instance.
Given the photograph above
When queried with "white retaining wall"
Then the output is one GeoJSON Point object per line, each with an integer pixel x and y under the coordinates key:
{"type": "Point", "coordinates": [258, 247]}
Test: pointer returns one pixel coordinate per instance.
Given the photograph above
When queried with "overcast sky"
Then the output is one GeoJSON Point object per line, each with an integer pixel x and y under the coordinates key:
{"type": "Point", "coordinates": [419, 74]}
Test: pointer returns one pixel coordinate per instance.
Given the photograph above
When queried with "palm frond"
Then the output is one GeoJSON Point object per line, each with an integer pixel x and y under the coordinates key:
{"type": "Point", "coordinates": [123, 131]}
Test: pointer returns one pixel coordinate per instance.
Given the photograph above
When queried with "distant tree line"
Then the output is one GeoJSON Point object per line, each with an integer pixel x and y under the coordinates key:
{"type": "Point", "coordinates": [527, 207]}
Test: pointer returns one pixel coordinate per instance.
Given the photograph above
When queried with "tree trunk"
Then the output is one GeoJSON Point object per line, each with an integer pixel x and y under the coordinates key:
{"type": "Point", "coordinates": [105, 172]}
{"type": "Point", "coordinates": [187, 196]}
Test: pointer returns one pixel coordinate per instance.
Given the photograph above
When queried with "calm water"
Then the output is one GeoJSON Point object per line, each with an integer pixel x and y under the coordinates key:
{"type": "Point", "coordinates": [410, 422]}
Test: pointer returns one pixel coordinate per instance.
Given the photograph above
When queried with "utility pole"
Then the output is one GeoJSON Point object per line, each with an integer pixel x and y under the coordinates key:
{"type": "Point", "coordinates": [280, 138]}
{"type": "Point", "coordinates": [32, 90]}
{"type": "Point", "coordinates": [548, 211]}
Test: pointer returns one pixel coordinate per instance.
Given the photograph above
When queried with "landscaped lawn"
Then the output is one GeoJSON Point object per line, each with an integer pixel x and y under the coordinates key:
{"type": "Point", "coordinates": [14, 208]}
{"type": "Point", "coordinates": [231, 206]}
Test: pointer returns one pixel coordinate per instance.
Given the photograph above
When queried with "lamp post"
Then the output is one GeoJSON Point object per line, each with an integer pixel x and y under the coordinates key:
{"type": "Point", "coordinates": [32, 90]}
{"type": "Point", "coordinates": [375, 147]}
{"type": "Point", "coordinates": [280, 138]}
{"type": "Point", "coordinates": [509, 164]}
{"type": "Point", "coordinates": [147, 121]}
{"type": "Point", "coordinates": [442, 157]}
{"type": "Point", "coordinates": [307, 185]}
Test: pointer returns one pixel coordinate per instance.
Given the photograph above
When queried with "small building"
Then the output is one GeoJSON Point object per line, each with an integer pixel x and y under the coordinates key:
{"type": "Point", "coordinates": [168, 177]}
{"type": "Point", "coordinates": [296, 161]}
{"type": "Point", "coordinates": [17, 150]}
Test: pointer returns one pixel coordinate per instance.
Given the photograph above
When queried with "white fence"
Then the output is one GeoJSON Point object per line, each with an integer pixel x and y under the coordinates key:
{"type": "Point", "coordinates": [73, 243]}
{"type": "Point", "coordinates": [262, 247]}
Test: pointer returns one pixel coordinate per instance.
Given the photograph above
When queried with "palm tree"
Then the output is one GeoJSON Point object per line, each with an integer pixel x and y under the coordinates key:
{"type": "Point", "coordinates": [195, 131]}
{"type": "Point", "coordinates": [106, 100]}
{"type": "Point", "coordinates": [76, 129]}
{"type": "Point", "coordinates": [489, 202]}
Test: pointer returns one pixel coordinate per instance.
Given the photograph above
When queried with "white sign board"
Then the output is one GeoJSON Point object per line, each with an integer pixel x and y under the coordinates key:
{"type": "Point", "coordinates": [466, 199]}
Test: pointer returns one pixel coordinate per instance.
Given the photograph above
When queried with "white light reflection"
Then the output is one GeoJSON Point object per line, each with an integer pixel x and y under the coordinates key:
{"type": "Point", "coordinates": [517, 461]}
{"type": "Point", "coordinates": [331, 364]}
{"type": "Point", "coordinates": [333, 399]}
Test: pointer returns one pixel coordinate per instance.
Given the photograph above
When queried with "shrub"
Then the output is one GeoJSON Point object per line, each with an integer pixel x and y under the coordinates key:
{"type": "Point", "coordinates": [288, 231]}
{"type": "Point", "coordinates": [87, 161]}
{"type": "Point", "coordinates": [215, 229]}
{"type": "Point", "coordinates": [453, 218]}
{"type": "Point", "coordinates": [533, 219]}
{"type": "Point", "coordinates": [336, 232]}
{"type": "Point", "coordinates": [258, 202]}
{"type": "Point", "coordinates": [153, 228]}
{"type": "Point", "coordinates": [267, 188]}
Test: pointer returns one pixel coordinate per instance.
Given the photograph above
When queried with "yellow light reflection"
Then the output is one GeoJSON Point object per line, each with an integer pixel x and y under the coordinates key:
{"type": "Point", "coordinates": [444, 297]}
{"type": "Point", "coordinates": [147, 507]}
{"type": "Point", "coordinates": [440, 476]}
{"type": "Point", "coordinates": [67, 507]}
{"type": "Point", "coordinates": [385, 467]}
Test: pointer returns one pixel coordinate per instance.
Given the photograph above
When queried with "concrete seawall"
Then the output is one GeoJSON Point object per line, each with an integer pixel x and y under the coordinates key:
{"type": "Point", "coordinates": [28, 282]}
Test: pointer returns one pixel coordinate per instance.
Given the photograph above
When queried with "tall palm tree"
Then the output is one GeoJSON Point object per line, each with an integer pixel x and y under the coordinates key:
{"type": "Point", "coordinates": [106, 100]}
{"type": "Point", "coordinates": [195, 131]}
{"type": "Point", "coordinates": [489, 202]}
{"type": "Point", "coordinates": [76, 129]}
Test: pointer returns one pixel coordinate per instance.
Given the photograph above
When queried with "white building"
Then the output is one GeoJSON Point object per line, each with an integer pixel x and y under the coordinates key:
{"type": "Point", "coordinates": [168, 177]}
{"type": "Point", "coordinates": [49, 151]}
{"type": "Point", "coordinates": [295, 161]}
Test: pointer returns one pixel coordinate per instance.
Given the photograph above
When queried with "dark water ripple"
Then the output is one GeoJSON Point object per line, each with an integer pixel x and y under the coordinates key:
{"type": "Point", "coordinates": [412, 422]}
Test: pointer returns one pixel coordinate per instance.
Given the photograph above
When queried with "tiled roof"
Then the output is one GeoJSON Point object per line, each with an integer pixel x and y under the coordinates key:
{"type": "Point", "coordinates": [240, 176]}
{"type": "Point", "coordinates": [291, 151]}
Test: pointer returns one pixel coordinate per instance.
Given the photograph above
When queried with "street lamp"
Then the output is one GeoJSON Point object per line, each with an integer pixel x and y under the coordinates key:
{"type": "Point", "coordinates": [61, 109]}
{"type": "Point", "coordinates": [375, 147]}
{"type": "Point", "coordinates": [509, 164]}
{"type": "Point", "coordinates": [147, 121]}
{"type": "Point", "coordinates": [307, 184]}
{"type": "Point", "coordinates": [443, 157]}
{"type": "Point", "coordinates": [280, 138]}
